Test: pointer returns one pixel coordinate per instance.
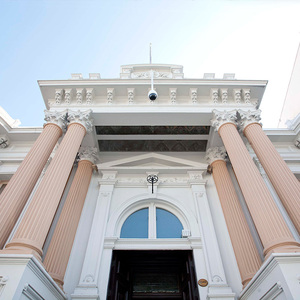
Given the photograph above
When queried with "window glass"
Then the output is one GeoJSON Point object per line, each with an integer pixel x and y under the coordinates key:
{"type": "Point", "coordinates": [136, 225]}
{"type": "Point", "coordinates": [167, 225]}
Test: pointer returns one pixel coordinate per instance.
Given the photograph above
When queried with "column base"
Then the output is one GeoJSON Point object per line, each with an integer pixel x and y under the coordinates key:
{"type": "Point", "coordinates": [221, 291]}
{"type": "Point", "coordinates": [279, 275]}
{"type": "Point", "coordinates": [86, 293]}
{"type": "Point", "coordinates": [25, 277]}
{"type": "Point", "coordinates": [289, 246]}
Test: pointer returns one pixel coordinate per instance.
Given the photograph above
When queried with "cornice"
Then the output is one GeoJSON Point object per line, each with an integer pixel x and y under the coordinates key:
{"type": "Point", "coordinates": [185, 81]}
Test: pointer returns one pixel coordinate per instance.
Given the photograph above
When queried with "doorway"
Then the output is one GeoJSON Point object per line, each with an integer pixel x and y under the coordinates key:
{"type": "Point", "coordinates": [154, 274]}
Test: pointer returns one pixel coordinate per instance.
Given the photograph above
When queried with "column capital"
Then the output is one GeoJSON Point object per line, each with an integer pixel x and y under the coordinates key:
{"type": "Point", "coordinates": [81, 117]}
{"type": "Point", "coordinates": [88, 153]}
{"type": "Point", "coordinates": [57, 118]}
{"type": "Point", "coordinates": [223, 117]}
{"type": "Point", "coordinates": [217, 153]}
{"type": "Point", "coordinates": [249, 117]}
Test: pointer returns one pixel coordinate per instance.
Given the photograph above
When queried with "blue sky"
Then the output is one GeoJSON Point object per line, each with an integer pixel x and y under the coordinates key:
{"type": "Point", "coordinates": [42, 39]}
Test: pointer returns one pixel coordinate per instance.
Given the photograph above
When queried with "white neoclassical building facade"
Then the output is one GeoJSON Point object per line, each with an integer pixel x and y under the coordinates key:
{"type": "Point", "coordinates": [123, 197]}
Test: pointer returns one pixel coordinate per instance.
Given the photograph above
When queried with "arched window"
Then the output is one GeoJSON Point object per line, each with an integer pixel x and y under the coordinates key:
{"type": "Point", "coordinates": [152, 222]}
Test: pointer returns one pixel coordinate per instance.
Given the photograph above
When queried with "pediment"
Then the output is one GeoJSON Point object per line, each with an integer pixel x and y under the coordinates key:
{"type": "Point", "coordinates": [152, 161]}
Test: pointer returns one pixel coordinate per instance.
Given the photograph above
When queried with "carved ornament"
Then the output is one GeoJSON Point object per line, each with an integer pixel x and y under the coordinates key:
{"type": "Point", "coordinates": [194, 95]}
{"type": "Point", "coordinates": [223, 117]}
{"type": "Point", "coordinates": [110, 95]}
{"type": "Point", "coordinates": [79, 96]}
{"type": "Point", "coordinates": [224, 95]}
{"type": "Point", "coordinates": [88, 153]}
{"type": "Point", "coordinates": [81, 117]}
{"type": "Point", "coordinates": [130, 92]}
{"type": "Point", "coordinates": [217, 153]}
{"type": "Point", "coordinates": [4, 141]}
{"type": "Point", "coordinates": [89, 96]}
{"type": "Point", "coordinates": [57, 118]}
{"type": "Point", "coordinates": [173, 94]}
{"type": "Point", "coordinates": [214, 94]}
{"type": "Point", "coordinates": [68, 96]}
{"type": "Point", "coordinates": [237, 95]}
{"type": "Point", "coordinates": [249, 117]}
{"type": "Point", "coordinates": [58, 95]}
{"type": "Point", "coordinates": [247, 96]}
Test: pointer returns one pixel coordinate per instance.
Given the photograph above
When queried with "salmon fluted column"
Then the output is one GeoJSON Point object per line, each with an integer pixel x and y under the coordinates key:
{"type": "Point", "coordinates": [246, 253]}
{"type": "Point", "coordinates": [19, 188]}
{"type": "Point", "coordinates": [33, 229]}
{"type": "Point", "coordinates": [271, 227]}
{"type": "Point", "coordinates": [283, 180]}
{"type": "Point", "coordinates": [60, 247]}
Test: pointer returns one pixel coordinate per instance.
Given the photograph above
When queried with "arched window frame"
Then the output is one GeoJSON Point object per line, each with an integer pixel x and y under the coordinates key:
{"type": "Point", "coordinates": [152, 205]}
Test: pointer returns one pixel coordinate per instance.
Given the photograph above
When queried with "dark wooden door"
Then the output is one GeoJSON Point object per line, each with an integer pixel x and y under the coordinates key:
{"type": "Point", "coordinates": [159, 275]}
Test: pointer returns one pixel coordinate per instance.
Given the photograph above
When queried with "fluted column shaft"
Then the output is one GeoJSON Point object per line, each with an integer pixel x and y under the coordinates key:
{"type": "Point", "coordinates": [242, 241]}
{"type": "Point", "coordinates": [33, 229]}
{"type": "Point", "coordinates": [283, 180]}
{"type": "Point", "coordinates": [271, 227]}
{"type": "Point", "coordinates": [19, 188]}
{"type": "Point", "coordinates": [59, 250]}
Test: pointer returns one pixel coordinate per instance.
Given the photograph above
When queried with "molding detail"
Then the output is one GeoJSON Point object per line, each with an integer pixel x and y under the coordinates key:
{"type": "Point", "coordinates": [57, 118]}
{"type": "Point", "coordinates": [110, 95]}
{"type": "Point", "coordinates": [4, 141]}
{"type": "Point", "coordinates": [89, 96]}
{"type": "Point", "coordinates": [237, 95]}
{"type": "Point", "coordinates": [217, 153]}
{"type": "Point", "coordinates": [130, 92]}
{"type": "Point", "coordinates": [89, 278]}
{"type": "Point", "coordinates": [3, 282]}
{"type": "Point", "coordinates": [222, 117]}
{"type": "Point", "coordinates": [31, 293]}
{"type": "Point", "coordinates": [297, 141]}
{"type": "Point", "coordinates": [217, 279]}
{"type": "Point", "coordinates": [214, 94]}
{"type": "Point", "coordinates": [88, 153]}
{"type": "Point", "coordinates": [224, 95]}
{"type": "Point", "coordinates": [194, 95]}
{"type": "Point", "coordinates": [81, 117]}
{"type": "Point", "coordinates": [173, 94]}
{"type": "Point", "coordinates": [249, 117]}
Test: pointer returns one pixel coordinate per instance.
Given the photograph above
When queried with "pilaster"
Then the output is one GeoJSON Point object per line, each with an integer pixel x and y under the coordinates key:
{"type": "Point", "coordinates": [217, 284]}
{"type": "Point", "coordinates": [88, 287]}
